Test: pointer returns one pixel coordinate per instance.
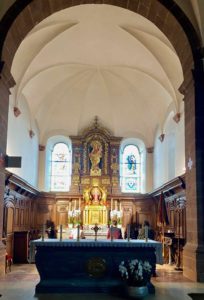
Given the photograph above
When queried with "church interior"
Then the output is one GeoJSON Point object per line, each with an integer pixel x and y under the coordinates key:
{"type": "Point", "coordinates": [101, 120]}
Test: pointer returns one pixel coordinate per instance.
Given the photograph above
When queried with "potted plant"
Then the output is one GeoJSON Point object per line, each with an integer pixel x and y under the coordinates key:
{"type": "Point", "coordinates": [136, 273]}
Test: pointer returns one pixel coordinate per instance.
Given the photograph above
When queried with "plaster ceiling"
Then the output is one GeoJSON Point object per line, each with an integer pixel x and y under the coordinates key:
{"type": "Point", "coordinates": [99, 60]}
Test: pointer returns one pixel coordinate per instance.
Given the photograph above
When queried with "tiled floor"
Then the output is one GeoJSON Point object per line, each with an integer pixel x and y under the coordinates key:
{"type": "Point", "coordinates": [20, 283]}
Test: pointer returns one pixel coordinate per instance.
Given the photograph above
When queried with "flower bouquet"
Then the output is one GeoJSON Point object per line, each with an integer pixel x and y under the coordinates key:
{"type": "Point", "coordinates": [74, 216]}
{"type": "Point", "coordinates": [135, 272]}
{"type": "Point", "coordinates": [116, 215]}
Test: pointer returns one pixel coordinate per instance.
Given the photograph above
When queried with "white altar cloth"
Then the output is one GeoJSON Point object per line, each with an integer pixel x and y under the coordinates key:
{"type": "Point", "coordinates": [98, 243]}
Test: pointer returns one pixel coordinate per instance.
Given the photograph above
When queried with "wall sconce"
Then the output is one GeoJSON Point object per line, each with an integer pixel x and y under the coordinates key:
{"type": "Point", "coordinates": [177, 117]}
{"type": "Point", "coordinates": [41, 147]}
{"type": "Point", "coordinates": [161, 137]}
{"type": "Point", "coordinates": [31, 133]}
{"type": "Point", "coordinates": [16, 111]}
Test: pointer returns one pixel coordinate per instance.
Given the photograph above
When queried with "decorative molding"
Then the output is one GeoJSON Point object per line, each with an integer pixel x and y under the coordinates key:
{"type": "Point", "coordinates": [31, 133]}
{"type": "Point", "coordinates": [150, 149]}
{"type": "Point", "coordinates": [177, 117]}
{"type": "Point", "coordinates": [41, 147]}
{"type": "Point", "coordinates": [16, 111]}
{"type": "Point", "coordinates": [161, 137]}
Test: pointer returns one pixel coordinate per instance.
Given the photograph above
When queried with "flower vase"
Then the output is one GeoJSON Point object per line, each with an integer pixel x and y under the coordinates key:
{"type": "Point", "coordinates": [137, 292]}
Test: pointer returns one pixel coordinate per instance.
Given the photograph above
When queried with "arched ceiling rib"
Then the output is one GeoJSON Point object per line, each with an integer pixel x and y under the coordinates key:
{"type": "Point", "coordinates": [97, 60]}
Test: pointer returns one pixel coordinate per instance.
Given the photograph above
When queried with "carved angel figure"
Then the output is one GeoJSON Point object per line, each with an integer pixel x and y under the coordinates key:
{"type": "Point", "coordinates": [86, 196]}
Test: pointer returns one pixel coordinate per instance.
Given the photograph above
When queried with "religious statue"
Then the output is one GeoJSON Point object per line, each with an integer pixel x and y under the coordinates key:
{"type": "Point", "coordinates": [95, 157]}
{"type": "Point", "coordinates": [95, 195]}
{"type": "Point", "coordinates": [86, 196]}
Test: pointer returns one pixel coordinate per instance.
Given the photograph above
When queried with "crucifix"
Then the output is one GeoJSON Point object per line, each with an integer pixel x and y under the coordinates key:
{"type": "Point", "coordinates": [96, 229]}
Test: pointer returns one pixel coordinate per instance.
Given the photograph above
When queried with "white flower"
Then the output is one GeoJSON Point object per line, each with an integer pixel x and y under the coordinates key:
{"type": "Point", "coordinates": [135, 272]}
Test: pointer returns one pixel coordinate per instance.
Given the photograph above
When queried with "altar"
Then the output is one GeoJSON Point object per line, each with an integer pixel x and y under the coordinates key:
{"type": "Point", "coordinates": [87, 265]}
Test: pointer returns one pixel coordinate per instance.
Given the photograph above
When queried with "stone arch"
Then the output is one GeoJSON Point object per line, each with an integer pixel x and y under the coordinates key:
{"type": "Point", "coordinates": [170, 19]}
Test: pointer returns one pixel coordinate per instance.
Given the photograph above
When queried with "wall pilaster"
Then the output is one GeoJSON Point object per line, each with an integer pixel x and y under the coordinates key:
{"type": "Point", "coordinates": [194, 123]}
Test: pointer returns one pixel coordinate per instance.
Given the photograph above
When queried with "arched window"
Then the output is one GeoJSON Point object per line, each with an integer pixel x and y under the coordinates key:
{"type": "Point", "coordinates": [59, 167]}
{"type": "Point", "coordinates": [132, 168]}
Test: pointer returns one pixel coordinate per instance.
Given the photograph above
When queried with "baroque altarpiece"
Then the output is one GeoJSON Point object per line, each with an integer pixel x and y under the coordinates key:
{"type": "Point", "coordinates": [95, 194]}
{"type": "Point", "coordinates": [95, 173]}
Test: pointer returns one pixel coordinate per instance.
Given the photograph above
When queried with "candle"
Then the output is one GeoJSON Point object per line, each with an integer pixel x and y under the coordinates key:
{"type": "Point", "coordinates": [128, 232]}
{"type": "Point", "coordinates": [79, 203]}
{"type": "Point", "coordinates": [69, 205]}
{"type": "Point", "coordinates": [74, 204]}
{"type": "Point", "coordinates": [60, 232]}
{"type": "Point", "coordinates": [120, 206]}
{"type": "Point", "coordinates": [146, 233]}
{"type": "Point", "coordinates": [43, 232]}
{"type": "Point", "coordinates": [111, 204]}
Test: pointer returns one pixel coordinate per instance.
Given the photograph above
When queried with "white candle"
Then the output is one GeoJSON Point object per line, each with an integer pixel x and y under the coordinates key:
{"type": "Point", "coordinates": [120, 206]}
{"type": "Point", "coordinates": [60, 232]}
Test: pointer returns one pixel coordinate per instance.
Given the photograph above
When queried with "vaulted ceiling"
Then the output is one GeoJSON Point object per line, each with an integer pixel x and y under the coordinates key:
{"type": "Point", "coordinates": [99, 60]}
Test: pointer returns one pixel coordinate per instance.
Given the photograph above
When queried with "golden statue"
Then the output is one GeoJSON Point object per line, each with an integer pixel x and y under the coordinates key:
{"type": "Point", "coordinates": [95, 157]}
{"type": "Point", "coordinates": [95, 205]}
{"type": "Point", "coordinates": [86, 196]}
{"type": "Point", "coordinates": [95, 195]}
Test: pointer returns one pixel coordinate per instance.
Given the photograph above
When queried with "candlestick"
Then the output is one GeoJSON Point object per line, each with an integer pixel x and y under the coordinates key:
{"type": "Point", "coordinates": [78, 232]}
{"type": "Point", "coordinates": [43, 233]}
{"type": "Point", "coordinates": [128, 232]}
{"type": "Point", "coordinates": [146, 233]}
{"type": "Point", "coordinates": [111, 233]}
{"type": "Point", "coordinates": [60, 232]}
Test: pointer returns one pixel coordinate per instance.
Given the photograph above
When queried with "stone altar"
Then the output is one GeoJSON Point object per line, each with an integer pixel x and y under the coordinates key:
{"type": "Point", "coordinates": [88, 266]}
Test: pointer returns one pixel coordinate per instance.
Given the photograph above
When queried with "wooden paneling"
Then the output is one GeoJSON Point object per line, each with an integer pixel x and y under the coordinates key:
{"type": "Point", "coordinates": [20, 254]}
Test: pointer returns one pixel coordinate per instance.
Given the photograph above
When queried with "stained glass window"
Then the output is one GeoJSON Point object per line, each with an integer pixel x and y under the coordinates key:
{"type": "Point", "coordinates": [60, 168]}
{"type": "Point", "coordinates": [131, 169]}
